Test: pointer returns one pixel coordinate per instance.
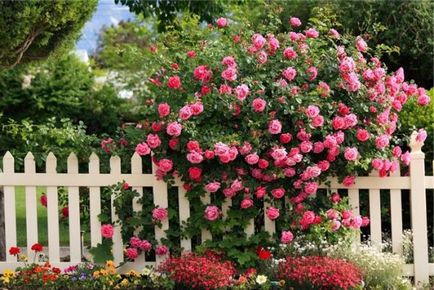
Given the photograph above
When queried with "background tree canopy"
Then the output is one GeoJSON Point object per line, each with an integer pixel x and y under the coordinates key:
{"type": "Point", "coordinates": [33, 30]}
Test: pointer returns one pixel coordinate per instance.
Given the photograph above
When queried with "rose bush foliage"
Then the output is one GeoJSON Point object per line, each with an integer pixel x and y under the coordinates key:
{"type": "Point", "coordinates": [261, 120]}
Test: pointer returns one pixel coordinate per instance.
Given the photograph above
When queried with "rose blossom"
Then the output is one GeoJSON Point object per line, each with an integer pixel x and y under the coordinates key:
{"type": "Point", "coordinates": [362, 135]}
{"type": "Point", "coordinates": [135, 242]}
{"type": "Point", "coordinates": [421, 135]}
{"type": "Point", "coordinates": [212, 186]}
{"type": "Point", "coordinates": [286, 237]}
{"type": "Point", "coordinates": [174, 82]}
{"type": "Point", "coordinates": [278, 192]}
{"type": "Point", "coordinates": [159, 214]}
{"type": "Point", "coordinates": [289, 53]}
{"type": "Point", "coordinates": [382, 141]}
{"type": "Point", "coordinates": [174, 129]}
{"type": "Point", "coordinates": [335, 225]}
{"type": "Point", "coordinates": [289, 73]}
{"type": "Point", "coordinates": [246, 203]}
{"type": "Point", "coordinates": [161, 250]}
{"type": "Point", "coordinates": [259, 105]}
{"type": "Point", "coordinates": [252, 159]}
{"type": "Point", "coordinates": [131, 253]}
{"type": "Point", "coordinates": [165, 165]}
{"type": "Point", "coordinates": [312, 33]}
{"type": "Point", "coordinates": [348, 180]}
{"type": "Point", "coordinates": [312, 111]}
{"type": "Point", "coordinates": [163, 110]}
{"type": "Point", "coordinates": [153, 141]}
{"type": "Point", "coordinates": [258, 41]}
{"type": "Point", "coordinates": [295, 22]}
{"type": "Point", "coordinates": [194, 173]}
{"type": "Point", "coordinates": [242, 92]}
{"type": "Point", "coordinates": [145, 245]}
{"type": "Point", "coordinates": [262, 57]}
{"type": "Point", "coordinates": [272, 213]}
{"type": "Point", "coordinates": [194, 157]}
{"type": "Point", "coordinates": [361, 44]}
{"type": "Point", "coordinates": [274, 127]}
{"type": "Point", "coordinates": [185, 113]}
{"type": "Point", "coordinates": [332, 214]}
{"type": "Point", "coordinates": [351, 153]}
{"type": "Point", "coordinates": [222, 22]}
{"type": "Point", "coordinates": [143, 149]}
{"type": "Point", "coordinates": [107, 231]}
{"type": "Point", "coordinates": [229, 74]}
{"type": "Point", "coordinates": [212, 213]}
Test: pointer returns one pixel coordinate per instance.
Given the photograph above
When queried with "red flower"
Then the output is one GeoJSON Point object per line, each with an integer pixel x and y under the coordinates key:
{"type": "Point", "coordinates": [43, 200]}
{"type": "Point", "coordinates": [37, 247]}
{"type": "Point", "coordinates": [13, 251]}
{"type": "Point", "coordinates": [125, 186]}
{"type": "Point", "coordinates": [263, 254]}
{"type": "Point", "coordinates": [65, 212]}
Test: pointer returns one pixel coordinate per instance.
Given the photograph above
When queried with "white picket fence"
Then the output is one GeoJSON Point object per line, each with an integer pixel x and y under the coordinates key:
{"type": "Point", "coordinates": [417, 183]}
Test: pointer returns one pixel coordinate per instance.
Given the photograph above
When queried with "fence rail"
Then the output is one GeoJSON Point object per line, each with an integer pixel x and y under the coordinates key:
{"type": "Point", "coordinates": [416, 182]}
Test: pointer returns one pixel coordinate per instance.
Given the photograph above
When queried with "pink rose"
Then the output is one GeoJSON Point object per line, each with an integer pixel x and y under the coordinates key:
{"type": "Point", "coordinates": [246, 203]}
{"type": "Point", "coordinates": [174, 82]}
{"type": "Point", "coordinates": [202, 73]}
{"type": "Point", "coordinates": [311, 187]}
{"type": "Point", "coordinates": [362, 135]}
{"type": "Point", "coordinates": [161, 250]}
{"type": "Point", "coordinates": [246, 148]}
{"type": "Point", "coordinates": [335, 225]}
{"type": "Point", "coordinates": [185, 113]}
{"type": "Point", "coordinates": [289, 73]}
{"type": "Point", "coordinates": [196, 108]}
{"type": "Point", "coordinates": [163, 110]}
{"type": "Point", "coordinates": [318, 121]}
{"type": "Point", "coordinates": [191, 53]}
{"type": "Point", "coordinates": [153, 141]}
{"type": "Point", "coordinates": [229, 74]}
{"type": "Point", "coordinates": [295, 22]}
{"type": "Point", "coordinates": [306, 146]}
{"type": "Point", "coordinates": [135, 242]}
{"type": "Point", "coordinates": [258, 41]}
{"type": "Point", "coordinates": [312, 72]}
{"type": "Point", "coordinates": [242, 92]}
{"type": "Point", "coordinates": [131, 253]}
{"type": "Point", "coordinates": [349, 180]}
{"type": "Point", "coordinates": [174, 129]}
{"type": "Point", "coordinates": [145, 245]}
{"type": "Point", "coordinates": [421, 135]}
{"type": "Point", "coordinates": [289, 53]}
{"type": "Point", "coordinates": [259, 105]}
{"type": "Point", "coordinates": [278, 192]}
{"type": "Point", "coordinates": [194, 173]}
{"type": "Point", "coordinates": [365, 221]}
{"type": "Point", "coordinates": [335, 198]}
{"type": "Point", "coordinates": [332, 214]}
{"type": "Point", "coordinates": [286, 237]}
{"type": "Point", "coordinates": [159, 214]}
{"type": "Point", "coordinates": [274, 127]}
{"type": "Point", "coordinates": [212, 213]}
{"type": "Point", "coordinates": [252, 159]}
{"type": "Point", "coordinates": [377, 163]}
{"type": "Point", "coordinates": [107, 231]}
{"type": "Point", "coordinates": [194, 157]}
{"type": "Point", "coordinates": [285, 138]}
{"type": "Point", "coordinates": [272, 213]}
{"type": "Point", "coordinates": [260, 192]}
{"type": "Point", "coordinates": [222, 22]}
{"type": "Point", "coordinates": [361, 44]}
{"type": "Point", "coordinates": [212, 186]}
{"type": "Point", "coordinates": [356, 222]}
{"type": "Point", "coordinates": [406, 158]}
{"type": "Point", "coordinates": [262, 57]}
{"type": "Point", "coordinates": [334, 34]}
{"type": "Point", "coordinates": [351, 153]}
{"type": "Point", "coordinates": [382, 141]}
{"type": "Point", "coordinates": [312, 33]}
{"type": "Point", "coordinates": [143, 149]}
{"type": "Point", "coordinates": [165, 165]}
{"type": "Point", "coordinates": [312, 111]}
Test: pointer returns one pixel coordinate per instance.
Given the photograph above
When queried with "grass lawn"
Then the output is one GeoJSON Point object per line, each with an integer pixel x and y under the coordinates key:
{"type": "Point", "coordinates": [42, 220]}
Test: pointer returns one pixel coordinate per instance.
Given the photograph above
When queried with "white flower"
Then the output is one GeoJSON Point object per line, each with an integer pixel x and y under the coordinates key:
{"type": "Point", "coordinates": [146, 271]}
{"type": "Point", "coordinates": [261, 279]}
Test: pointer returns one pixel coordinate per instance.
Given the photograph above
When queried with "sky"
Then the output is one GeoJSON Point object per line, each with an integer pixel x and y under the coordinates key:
{"type": "Point", "coordinates": [106, 14]}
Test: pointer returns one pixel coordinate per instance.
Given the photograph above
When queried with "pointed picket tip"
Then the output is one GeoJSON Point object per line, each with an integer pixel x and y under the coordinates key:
{"type": "Point", "coordinates": [51, 156]}
{"type": "Point", "coordinates": [115, 164]}
{"type": "Point", "coordinates": [93, 157]}
{"type": "Point", "coordinates": [29, 156]}
{"type": "Point", "coordinates": [72, 157]}
{"type": "Point", "coordinates": [72, 163]}
{"type": "Point", "coordinates": [8, 156]}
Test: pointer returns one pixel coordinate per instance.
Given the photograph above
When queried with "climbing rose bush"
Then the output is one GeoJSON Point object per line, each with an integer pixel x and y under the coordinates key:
{"type": "Point", "coordinates": [251, 118]}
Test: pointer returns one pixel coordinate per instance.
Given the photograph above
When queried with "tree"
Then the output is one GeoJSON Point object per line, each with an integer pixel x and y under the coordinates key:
{"type": "Point", "coordinates": [33, 30]}
{"type": "Point", "coordinates": [167, 11]}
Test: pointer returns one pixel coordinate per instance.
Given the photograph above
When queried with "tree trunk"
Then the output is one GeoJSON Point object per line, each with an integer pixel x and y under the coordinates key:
{"type": "Point", "coordinates": [2, 228]}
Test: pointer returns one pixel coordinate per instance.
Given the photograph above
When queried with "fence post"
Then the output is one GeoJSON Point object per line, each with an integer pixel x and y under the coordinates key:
{"type": "Point", "coordinates": [418, 211]}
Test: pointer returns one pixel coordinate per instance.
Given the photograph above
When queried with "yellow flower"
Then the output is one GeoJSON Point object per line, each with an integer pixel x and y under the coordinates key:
{"type": "Point", "coordinates": [124, 282]}
{"type": "Point", "coordinates": [133, 273]}
{"type": "Point", "coordinates": [104, 272]}
{"type": "Point", "coordinates": [261, 279]}
{"type": "Point", "coordinates": [8, 273]}
{"type": "Point", "coordinates": [5, 280]}
{"type": "Point", "coordinates": [22, 257]}
{"type": "Point", "coordinates": [96, 274]}
{"type": "Point", "coordinates": [110, 264]}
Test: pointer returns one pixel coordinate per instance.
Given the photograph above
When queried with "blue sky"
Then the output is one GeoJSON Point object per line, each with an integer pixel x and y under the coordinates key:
{"type": "Point", "coordinates": [106, 14]}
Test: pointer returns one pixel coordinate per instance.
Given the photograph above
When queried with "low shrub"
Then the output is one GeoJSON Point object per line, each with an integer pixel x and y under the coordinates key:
{"type": "Point", "coordinates": [192, 271]}
{"type": "Point", "coordinates": [319, 272]}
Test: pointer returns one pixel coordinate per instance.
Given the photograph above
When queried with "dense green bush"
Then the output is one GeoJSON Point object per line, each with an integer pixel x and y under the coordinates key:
{"type": "Point", "coordinates": [63, 88]}
{"type": "Point", "coordinates": [32, 30]}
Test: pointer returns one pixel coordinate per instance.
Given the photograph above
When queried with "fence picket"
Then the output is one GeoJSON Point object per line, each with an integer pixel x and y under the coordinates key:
{"type": "Point", "coordinates": [118, 247]}
{"type": "Point", "coordinates": [206, 234]}
{"type": "Point", "coordinates": [160, 194]}
{"type": "Point", "coordinates": [269, 225]}
{"type": "Point", "coordinates": [74, 212]}
{"type": "Point", "coordinates": [396, 217]}
{"type": "Point", "coordinates": [52, 212]}
{"type": "Point", "coordinates": [184, 214]}
{"type": "Point", "coordinates": [10, 208]}
{"type": "Point", "coordinates": [31, 205]}
{"type": "Point", "coordinates": [94, 203]}
{"type": "Point", "coordinates": [137, 168]}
